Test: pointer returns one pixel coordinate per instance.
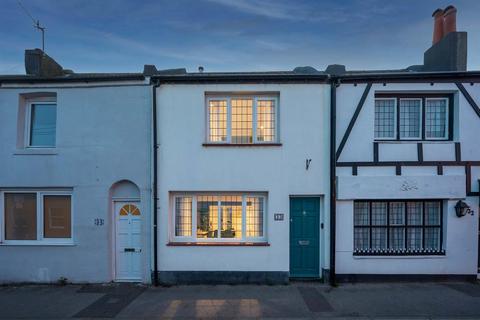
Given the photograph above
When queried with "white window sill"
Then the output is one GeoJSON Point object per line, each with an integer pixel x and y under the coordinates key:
{"type": "Point", "coordinates": [401, 257]}
{"type": "Point", "coordinates": [37, 243]}
{"type": "Point", "coordinates": [380, 141]}
{"type": "Point", "coordinates": [218, 244]}
{"type": "Point", "coordinates": [36, 151]}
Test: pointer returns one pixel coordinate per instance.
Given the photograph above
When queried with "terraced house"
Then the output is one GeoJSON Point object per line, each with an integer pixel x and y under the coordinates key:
{"type": "Point", "coordinates": [253, 177]}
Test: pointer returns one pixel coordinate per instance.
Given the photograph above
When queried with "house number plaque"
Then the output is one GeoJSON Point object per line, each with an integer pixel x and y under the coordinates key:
{"type": "Point", "coordinates": [279, 216]}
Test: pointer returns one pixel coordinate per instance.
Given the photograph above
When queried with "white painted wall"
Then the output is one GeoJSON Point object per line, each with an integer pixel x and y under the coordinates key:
{"type": "Point", "coordinates": [186, 165]}
{"type": "Point", "coordinates": [460, 234]}
{"type": "Point", "coordinates": [460, 243]}
{"type": "Point", "coordinates": [103, 136]}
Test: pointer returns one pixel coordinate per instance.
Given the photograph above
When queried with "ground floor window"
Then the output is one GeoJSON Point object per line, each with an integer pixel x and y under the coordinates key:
{"type": "Point", "coordinates": [398, 227]}
{"type": "Point", "coordinates": [219, 217]}
{"type": "Point", "coordinates": [36, 217]}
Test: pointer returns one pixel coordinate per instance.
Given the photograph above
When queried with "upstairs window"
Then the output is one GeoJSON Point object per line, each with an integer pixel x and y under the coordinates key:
{"type": "Point", "coordinates": [42, 125]}
{"type": "Point", "coordinates": [413, 117]}
{"type": "Point", "coordinates": [242, 120]}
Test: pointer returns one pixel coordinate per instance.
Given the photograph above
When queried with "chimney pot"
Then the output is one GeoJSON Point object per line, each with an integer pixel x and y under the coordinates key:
{"type": "Point", "coordinates": [438, 25]}
{"type": "Point", "coordinates": [450, 20]}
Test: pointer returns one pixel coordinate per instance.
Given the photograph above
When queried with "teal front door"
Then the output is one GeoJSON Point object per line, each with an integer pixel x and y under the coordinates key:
{"type": "Point", "coordinates": [304, 237]}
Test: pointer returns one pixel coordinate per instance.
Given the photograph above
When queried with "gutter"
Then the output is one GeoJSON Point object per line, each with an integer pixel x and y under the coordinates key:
{"type": "Point", "coordinates": [243, 78]}
{"type": "Point", "coordinates": [333, 176]}
{"type": "Point", "coordinates": [412, 77]}
{"type": "Point", "coordinates": [155, 85]}
{"type": "Point", "coordinates": [85, 79]}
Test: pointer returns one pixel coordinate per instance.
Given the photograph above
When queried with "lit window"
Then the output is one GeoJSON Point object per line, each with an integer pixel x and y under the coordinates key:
{"type": "Point", "coordinates": [25, 211]}
{"type": "Point", "coordinates": [266, 120]}
{"type": "Point", "coordinates": [398, 227]}
{"type": "Point", "coordinates": [218, 120]}
{"type": "Point", "coordinates": [219, 217]}
{"type": "Point", "coordinates": [183, 216]}
{"type": "Point", "coordinates": [436, 115]}
{"type": "Point", "coordinates": [242, 120]}
{"type": "Point", "coordinates": [43, 124]}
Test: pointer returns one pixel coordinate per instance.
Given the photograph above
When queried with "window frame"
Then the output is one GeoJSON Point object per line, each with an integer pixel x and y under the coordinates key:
{"type": "Point", "coordinates": [405, 251]}
{"type": "Point", "coordinates": [449, 97]}
{"type": "Point", "coordinates": [447, 117]}
{"type": "Point", "coordinates": [28, 123]}
{"type": "Point", "coordinates": [255, 98]}
{"type": "Point", "coordinates": [193, 238]}
{"type": "Point", "coordinates": [394, 119]}
{"type": "Point", "coordinates": [420, 120]}
{"type": "Point", "coordinates": [41, 240]}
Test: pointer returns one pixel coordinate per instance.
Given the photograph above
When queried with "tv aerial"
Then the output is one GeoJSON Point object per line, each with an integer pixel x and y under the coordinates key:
{"type": "Point", "coordinates": [36, 23]}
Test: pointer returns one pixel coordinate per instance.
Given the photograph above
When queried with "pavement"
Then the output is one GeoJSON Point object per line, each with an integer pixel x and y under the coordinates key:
{"type": "Point", "coordinates": [299, 300]}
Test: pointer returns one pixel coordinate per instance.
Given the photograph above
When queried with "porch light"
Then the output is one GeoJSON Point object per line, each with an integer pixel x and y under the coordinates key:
{"type": "Point", "coordinates": [461, 209]}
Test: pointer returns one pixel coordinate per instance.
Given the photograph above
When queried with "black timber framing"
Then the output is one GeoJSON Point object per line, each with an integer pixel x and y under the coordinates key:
{"type": "Point", "coordinates": [469, 98]}
{"type": "Point", "coordinates": [440, 170]}
{"type": "Point", "coordinates": [458, 152]}
{"type": "Point", "coordinates": [353, 120]}
{"type": "Point", "coordinates": [420, 152]}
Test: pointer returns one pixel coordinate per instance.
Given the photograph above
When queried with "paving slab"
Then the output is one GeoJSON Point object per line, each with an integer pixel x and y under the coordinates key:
{"type": "Point", "coordinates": [301, 300]}
{"type": "Point", "coordinates": [43, 302]}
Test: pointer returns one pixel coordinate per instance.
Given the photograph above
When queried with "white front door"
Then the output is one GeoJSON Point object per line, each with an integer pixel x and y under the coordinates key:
{"type": "Point", "coordinates": [128, 244]}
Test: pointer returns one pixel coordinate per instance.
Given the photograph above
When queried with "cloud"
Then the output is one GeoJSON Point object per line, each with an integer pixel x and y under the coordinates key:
{"type": "Point", "coordinates": [311, 12]}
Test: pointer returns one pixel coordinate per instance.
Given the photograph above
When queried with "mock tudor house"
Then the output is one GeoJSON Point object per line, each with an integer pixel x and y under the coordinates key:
{"type": "Point", "coordinates": [75, 180]}
{"type": "Point", "coordinates": [407, 166]}
{"type": "Point", "coordinates": [242, 177]}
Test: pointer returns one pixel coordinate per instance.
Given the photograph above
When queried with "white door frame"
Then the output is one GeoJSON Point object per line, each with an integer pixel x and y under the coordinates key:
{"type": "Point", "coordinates": [137, 202]}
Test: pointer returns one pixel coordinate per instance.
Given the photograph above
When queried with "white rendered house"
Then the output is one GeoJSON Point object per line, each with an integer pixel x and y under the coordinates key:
{"type": "Point", "coordinates": [75, 181]}
{"type": "Point", "coordinates": [237, 154]}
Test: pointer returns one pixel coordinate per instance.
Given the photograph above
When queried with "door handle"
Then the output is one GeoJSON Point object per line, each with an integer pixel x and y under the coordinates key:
{"type": "Point", "coordinates": [129, 250]}
{"type": "Point", "coordinates": [303, 242]}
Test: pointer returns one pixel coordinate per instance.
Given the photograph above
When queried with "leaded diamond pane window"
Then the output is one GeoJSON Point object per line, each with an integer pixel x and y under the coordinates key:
{"type": "Point", "coordinates": [398, 227]}
{"type": "Point", "coordinates": [384, 118]}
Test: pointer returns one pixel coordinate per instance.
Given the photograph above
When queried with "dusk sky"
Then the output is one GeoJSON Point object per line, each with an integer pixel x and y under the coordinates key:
{"type": "Point", "coordinates": [228, 35]}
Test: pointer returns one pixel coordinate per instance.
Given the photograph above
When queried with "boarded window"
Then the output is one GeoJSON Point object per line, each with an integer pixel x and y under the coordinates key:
{"type": "Point", "coordinates": [57, 217]}
{"type": "Point", "coordinates": [20, 216]}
